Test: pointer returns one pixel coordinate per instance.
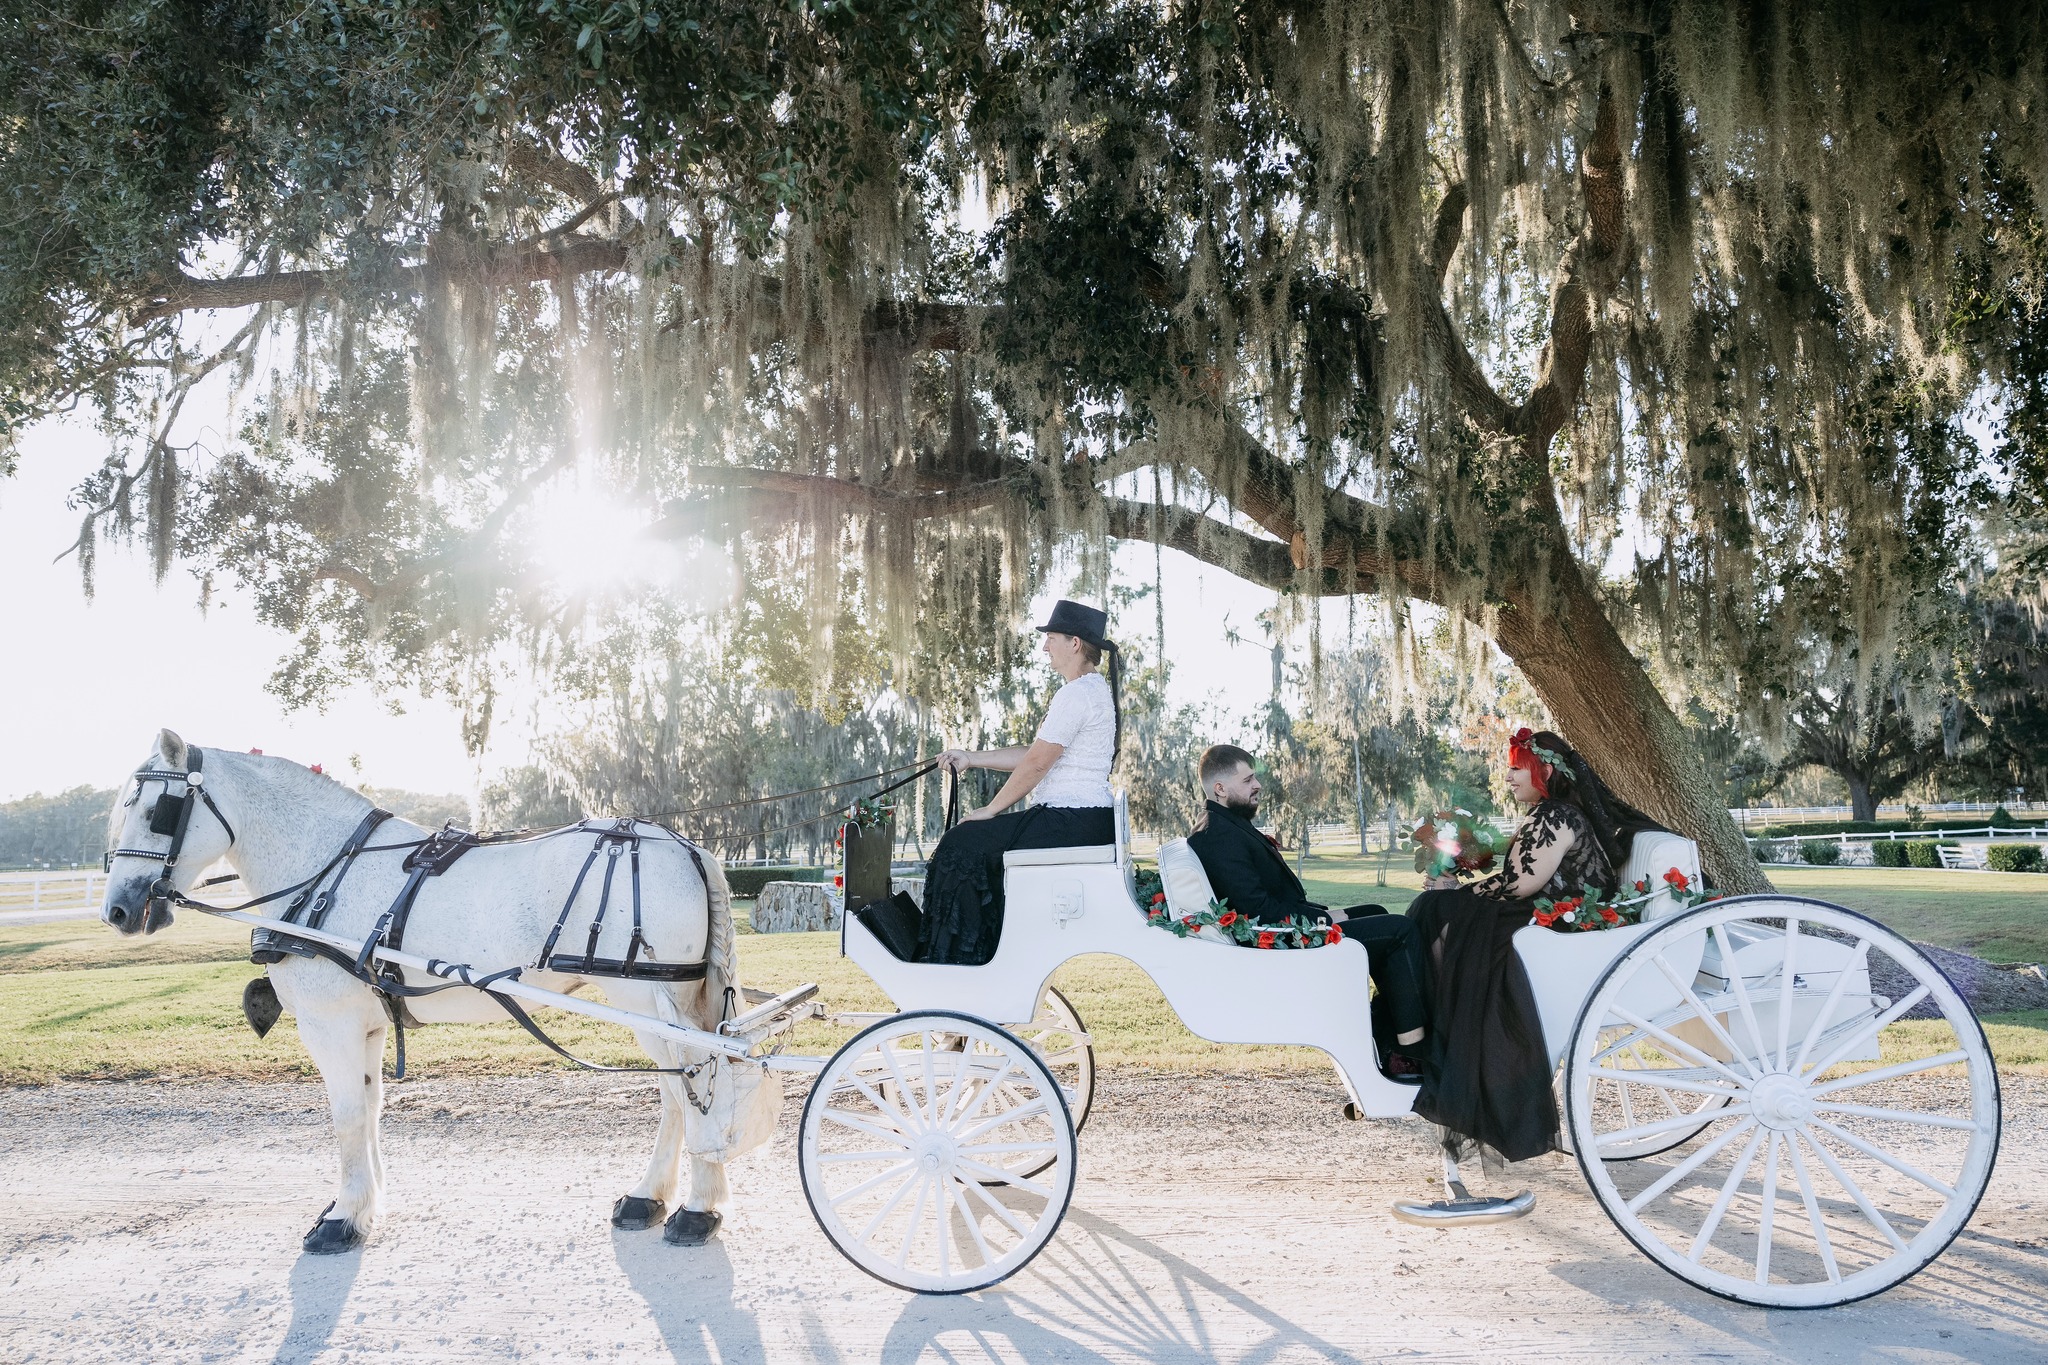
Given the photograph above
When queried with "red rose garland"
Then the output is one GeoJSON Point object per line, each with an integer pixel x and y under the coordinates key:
{"type": "Point", "coordinates": [1593, 910]}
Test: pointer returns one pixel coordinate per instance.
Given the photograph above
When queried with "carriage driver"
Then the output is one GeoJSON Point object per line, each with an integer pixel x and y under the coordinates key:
{"type": "Point", "coordinates": [1246, 869]}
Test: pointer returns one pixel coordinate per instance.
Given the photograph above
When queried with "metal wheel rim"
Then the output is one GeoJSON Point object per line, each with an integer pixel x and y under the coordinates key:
{"type": "Point", "coordinates": [1801, 1135]}
{"type": "Point", "coordinates": [898, 1175]}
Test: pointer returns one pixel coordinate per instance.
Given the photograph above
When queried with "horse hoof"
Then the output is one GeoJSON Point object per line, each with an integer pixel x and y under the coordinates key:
{"type": "Point", "coordinates": [691, 1228]}
{"type": "Point", "coordinates": [332, 1236]}
{"type": "Point", "coordinates": [635, 1214]}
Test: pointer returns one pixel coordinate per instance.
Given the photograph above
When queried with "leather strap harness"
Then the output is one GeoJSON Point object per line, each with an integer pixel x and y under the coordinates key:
{"type": "Point", "coordinates": [425, 858]}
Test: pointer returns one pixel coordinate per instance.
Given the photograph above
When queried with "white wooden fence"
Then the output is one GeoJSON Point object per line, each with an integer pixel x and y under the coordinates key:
{"type": "Point", "coordinates": [50, 892]}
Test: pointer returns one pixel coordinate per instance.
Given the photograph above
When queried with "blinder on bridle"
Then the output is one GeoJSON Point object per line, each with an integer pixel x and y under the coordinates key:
{"type": "Point", "coordinates": [170, 815]}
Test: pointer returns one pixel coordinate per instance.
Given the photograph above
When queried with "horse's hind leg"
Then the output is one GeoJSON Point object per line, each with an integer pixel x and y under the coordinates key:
{"type": "Point", "coordinates": [346, 1042]}
{"type": "Point", "coordinates": [648, 1201]}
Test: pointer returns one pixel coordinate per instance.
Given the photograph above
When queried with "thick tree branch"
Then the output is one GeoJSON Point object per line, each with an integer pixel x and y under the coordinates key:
{"type": "Point", "coordinates": [513, 265]}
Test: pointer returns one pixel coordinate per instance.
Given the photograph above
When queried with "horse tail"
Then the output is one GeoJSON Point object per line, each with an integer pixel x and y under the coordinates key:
{"type": "Point", "coordinates": [722, 977]}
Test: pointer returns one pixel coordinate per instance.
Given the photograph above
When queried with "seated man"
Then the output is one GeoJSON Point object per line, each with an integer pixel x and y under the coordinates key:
{"type": "Point", "coordinates": [1245, 868]}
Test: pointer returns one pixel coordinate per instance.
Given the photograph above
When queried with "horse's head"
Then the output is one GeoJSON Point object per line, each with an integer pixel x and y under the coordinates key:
{"type": "Point", "coordinates": [164, 829]}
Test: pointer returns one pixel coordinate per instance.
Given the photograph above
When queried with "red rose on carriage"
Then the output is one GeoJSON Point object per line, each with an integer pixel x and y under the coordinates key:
{"type": "Point", "coordinates": [1158, 896]}
{"type": "Point", "coordinates": [1266, 938]}
{"type": "Point", "coordinates": [1643, 885]}
{"type": "Point", "coordinates": [1155, 913]}
{"type": "Point", "coordinates": [1335, 935]}
{"type": "Point", "coordinates": [1679, 881]}
{"type": "Point", "coordinates": [1609, 915]}
{"type": "Point", "coordinates": [1226, 919]}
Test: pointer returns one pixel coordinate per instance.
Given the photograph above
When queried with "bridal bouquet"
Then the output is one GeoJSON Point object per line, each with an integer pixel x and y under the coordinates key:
{"type": "Point", "coordinates": [1454, 843]}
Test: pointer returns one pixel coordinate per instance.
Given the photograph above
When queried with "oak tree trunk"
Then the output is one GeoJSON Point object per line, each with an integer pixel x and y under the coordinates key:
{"type": "Point", "coordinates": [1862, 805]}
{"type": "Point", "coordinates": [1605, 704]}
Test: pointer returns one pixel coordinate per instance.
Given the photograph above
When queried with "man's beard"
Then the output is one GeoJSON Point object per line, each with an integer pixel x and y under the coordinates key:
{"type": "Point", "coordinates": [1245, 808]}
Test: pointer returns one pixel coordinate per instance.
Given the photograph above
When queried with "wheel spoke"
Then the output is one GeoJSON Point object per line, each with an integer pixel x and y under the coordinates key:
{"type": "Point", "coordinates": [1855, 1192]}
{"type": "Point", "coordinates": [910, 1110]}
{"type": "Point", "coordinates": [901, 1168]}
{"type": "Point", "coordinates": [1891, 1072]}
{"type": "Point", "coordinates": [1787, 978]}
{"type": "Point", "coordinates": [1741, 988]}
{"type": "Point", "coordinates": [1864, 1111]}
{"type": "Point", "coordinates": [1036, 1104]}
{"type": "Point", "coordinates": [995, 1081]}
{"type": "Point", "coordinates": [1875, 1153]}
{"type": "Point", "coordinates": [881, 1102]}
{"type": "Point", "coordinates": [916, 1212]}
{"type": "Point", "coordinates": [1689, 1165]}
{"type": "Point", "coordinates": [834, 1158]}
{"type": "Point", "coordinates": [1827, 1011]}
{"type": "Point", "coordinates": [1727, 1197]}
{"type": "Point", "coordinates": [1770, 1210]}
{"type": "Point", "coordinates": [1869, 1030]}
{"type": "Point", "coordinates": [1000, 1209]}
{"type": "Point", "coordinates": [1682, 1047]}
{"type": "Point", "coordinates": [860, 1125]}
{"type": "Point", "coordinates": [1662, 1082]}
{"type": "Point", "coordinates": [998, 1173]}
{"type": "Point", "coordinates": [930, 1108]}
{"type": "Point", "coordinates": [1705, 1015]}
{"type": "Point", "coordinates": [1820, 1227]}
{"type": "Point", "coordinates": [1643, 1130]}
{"type": "Point", "coordinates": [883, 1213]}
{"type": "Point", "coordinates": [958, 1195]}
{"type": "Point", "coordinates": [1641, 1065]}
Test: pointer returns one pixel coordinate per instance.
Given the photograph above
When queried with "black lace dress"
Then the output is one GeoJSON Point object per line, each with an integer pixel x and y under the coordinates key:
{"type": "Point", "coordinates": [1486, 1073]}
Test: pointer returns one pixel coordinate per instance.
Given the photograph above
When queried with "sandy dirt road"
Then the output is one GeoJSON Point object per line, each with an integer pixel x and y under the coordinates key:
{"type": "Point", "coordinates": [1228, 1219]}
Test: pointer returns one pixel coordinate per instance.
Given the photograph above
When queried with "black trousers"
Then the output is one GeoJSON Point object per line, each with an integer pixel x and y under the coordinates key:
{"type": "Point", "coordinates": [1395, 947]}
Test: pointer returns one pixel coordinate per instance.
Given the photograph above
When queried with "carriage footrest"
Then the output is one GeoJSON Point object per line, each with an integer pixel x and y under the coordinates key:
{"type": "Point", "coordinates": [1464, 1211]}
{"type": "Point", "coordinates": [575, 964]}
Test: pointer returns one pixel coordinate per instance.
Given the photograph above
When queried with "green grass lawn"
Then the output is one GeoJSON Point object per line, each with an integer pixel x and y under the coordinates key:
{"type": "Point", "coordinates": [78, 1001]}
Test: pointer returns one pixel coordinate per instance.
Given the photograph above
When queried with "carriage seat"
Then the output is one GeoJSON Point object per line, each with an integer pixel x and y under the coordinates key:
{"type": "Point", "coordinates": [1118, 852]}
{"type": "Point", "coordinates": [1651, 854]}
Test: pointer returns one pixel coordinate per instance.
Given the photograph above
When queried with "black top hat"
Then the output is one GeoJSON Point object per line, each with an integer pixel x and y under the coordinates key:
{"type": "Point", "coordinates": [1083, 623]}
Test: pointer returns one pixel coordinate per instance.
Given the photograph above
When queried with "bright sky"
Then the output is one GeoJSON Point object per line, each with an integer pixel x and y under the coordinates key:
{"type": "Point", "coordinates": [89, 684]}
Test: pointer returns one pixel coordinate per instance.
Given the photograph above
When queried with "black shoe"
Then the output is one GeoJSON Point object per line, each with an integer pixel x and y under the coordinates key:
{"type": "Point", "coordinates": [1402, 1068]}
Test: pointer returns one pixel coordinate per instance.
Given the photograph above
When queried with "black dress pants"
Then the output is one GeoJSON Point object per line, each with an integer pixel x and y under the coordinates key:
{"type": "Point", "coordinates": [1395, 947]}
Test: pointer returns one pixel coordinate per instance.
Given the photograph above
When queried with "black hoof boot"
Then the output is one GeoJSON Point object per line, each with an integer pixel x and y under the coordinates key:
{"type": "Point", "coordinates": [690, 1228]}
{"type": "Point", "coordinates": [332, 1236]}
{"type": "Point", "coordinates": [635, 1214]}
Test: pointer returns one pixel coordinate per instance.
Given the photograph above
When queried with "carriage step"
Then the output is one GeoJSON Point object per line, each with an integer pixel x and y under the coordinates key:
{"type": "Point", "coordinates": [1464, 1211]}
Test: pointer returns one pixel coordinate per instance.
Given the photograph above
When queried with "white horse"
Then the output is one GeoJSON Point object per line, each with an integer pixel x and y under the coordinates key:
{"type": "Point", "coordinates": [278, 824]}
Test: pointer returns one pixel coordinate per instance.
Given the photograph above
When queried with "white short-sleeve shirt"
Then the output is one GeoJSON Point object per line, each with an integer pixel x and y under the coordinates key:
{"type": "Point", "coordinates": [1082, 719]}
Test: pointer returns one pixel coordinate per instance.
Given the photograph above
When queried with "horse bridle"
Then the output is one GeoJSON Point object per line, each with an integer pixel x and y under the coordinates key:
{"type": "Point", "coordinates": [171, 815]}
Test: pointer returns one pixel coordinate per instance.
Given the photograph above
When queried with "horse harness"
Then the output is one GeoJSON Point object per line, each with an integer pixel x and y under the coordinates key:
{"type": "Point", "coordinates": [425, 858]}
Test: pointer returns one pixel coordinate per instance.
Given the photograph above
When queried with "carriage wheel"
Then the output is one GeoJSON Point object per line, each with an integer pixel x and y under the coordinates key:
{"type": "Point", "coordinates": [913, 1171]}
{"type": "Point", "coordinates": [1823, 1155]}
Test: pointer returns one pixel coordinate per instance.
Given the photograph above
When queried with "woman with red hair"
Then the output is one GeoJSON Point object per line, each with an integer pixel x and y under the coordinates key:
{"type": "Point", "coordinates": [1486, 1079]}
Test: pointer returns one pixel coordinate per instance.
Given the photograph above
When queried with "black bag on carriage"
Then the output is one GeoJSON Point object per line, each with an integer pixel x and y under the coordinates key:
{"type": "Point", "coordinates": [896, 921]}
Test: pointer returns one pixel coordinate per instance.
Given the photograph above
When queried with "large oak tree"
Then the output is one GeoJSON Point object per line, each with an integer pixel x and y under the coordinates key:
{"type": "Point", "coordinates": [1597, 324]}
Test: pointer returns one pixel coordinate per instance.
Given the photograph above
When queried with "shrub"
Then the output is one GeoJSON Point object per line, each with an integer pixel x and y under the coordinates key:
{"type": "Point", "coordinates": [1888, 853]}
{"type": "Point", "coordinates": [748, 881]}
{"type": "Point", "coordinates": [1820, 852]}
{"type": "Point", "coordinates": [1920, 853]}
{"type": "Point", "coordinates": [2002, 819]}
{"type": "Point", "coordinates": [1765, 850]}
{"type": "Point", "coordinates": [2013, 857]}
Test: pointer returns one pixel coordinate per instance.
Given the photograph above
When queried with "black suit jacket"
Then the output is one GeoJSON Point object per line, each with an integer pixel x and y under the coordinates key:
{"type": "Point", "coordinates": [1246, 869]}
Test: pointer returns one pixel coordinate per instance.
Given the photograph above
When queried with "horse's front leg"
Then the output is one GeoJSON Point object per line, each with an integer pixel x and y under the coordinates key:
{"type": "Point", "coordinates": [345, 1037]}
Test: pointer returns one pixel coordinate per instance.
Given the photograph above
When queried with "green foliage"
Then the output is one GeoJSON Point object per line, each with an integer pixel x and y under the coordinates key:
{"type": "Point", "coordinates": [65, 830]}
{"type": "Point", "coordinates": [1888, 853]}
{"type": "Point", "coordinates": [1921, 853]}
{"type": "Point", "coordinates": [748, 881]}
{"type": "Point", "coordinates": [1820, 852]}
{"type": "Point", "coordinates": [2013, 857]}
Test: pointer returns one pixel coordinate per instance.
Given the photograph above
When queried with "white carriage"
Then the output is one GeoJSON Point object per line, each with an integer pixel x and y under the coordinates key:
{"type": "Point", "coordinates": [1723, 1082]}
{"type": "Point", "coordinates": [1725, 1086]}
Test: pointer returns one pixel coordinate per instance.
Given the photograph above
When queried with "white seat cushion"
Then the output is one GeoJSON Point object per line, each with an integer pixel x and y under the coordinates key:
{"type": "Point", "coordinates": [1047, 857]}
{"type": "Point", "coordinates": [1651, 854]}
{"type": "Point", "coordinates": [1186, 883]}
